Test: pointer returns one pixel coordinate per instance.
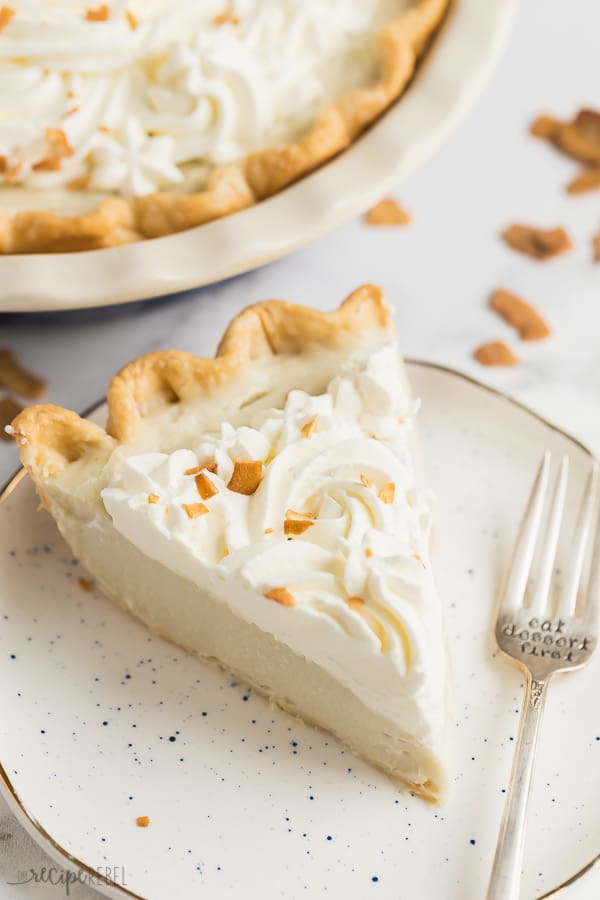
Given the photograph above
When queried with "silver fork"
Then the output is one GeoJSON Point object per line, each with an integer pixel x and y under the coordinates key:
{"type": "Point", "coordinates": [544, 628]}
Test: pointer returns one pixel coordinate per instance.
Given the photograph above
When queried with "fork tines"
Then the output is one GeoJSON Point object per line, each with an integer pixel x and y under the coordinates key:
{"type": "Point", "coordinates": [532, 575]}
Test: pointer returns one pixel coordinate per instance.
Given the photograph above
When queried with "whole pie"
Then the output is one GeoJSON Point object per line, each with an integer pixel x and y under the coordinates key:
{"type": "Point", "coordinates": [128, 120]}
{"type": "Point", "coordinates": [266, 509]}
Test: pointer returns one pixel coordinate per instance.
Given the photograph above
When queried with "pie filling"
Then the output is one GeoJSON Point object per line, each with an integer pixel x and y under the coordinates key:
{"type": "Point", "coordinates": [135, 97]}
{"type": "Point", "coordinates": [309, 521]}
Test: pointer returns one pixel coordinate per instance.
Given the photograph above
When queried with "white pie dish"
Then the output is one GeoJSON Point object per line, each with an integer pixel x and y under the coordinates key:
{"type": "Point", "coordinates": [232, 810]}
{"type": "Point", "coordinates": [446, 84]}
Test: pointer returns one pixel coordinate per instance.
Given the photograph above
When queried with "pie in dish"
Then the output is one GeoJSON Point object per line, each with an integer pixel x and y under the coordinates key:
{"type": "Point", "coordinates": [127, 121]}
{"type": "Point", "coordinates": [266, 509]}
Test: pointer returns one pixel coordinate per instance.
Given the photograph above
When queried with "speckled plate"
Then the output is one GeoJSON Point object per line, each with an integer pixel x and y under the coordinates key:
{"type": "Point", "coordinates": [102, 722]}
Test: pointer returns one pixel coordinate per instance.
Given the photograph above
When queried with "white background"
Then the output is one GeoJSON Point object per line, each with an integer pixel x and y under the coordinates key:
{"type": "Point", "coordinates": [438, 273]}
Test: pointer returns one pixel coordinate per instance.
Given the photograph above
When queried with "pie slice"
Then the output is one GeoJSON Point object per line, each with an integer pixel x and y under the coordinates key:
{"type": "Point", "coordinates": [265, 509]}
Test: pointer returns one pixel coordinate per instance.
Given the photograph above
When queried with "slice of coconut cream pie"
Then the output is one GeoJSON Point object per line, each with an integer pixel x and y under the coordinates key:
{"type": "Point", "coordinates": [266, 509]}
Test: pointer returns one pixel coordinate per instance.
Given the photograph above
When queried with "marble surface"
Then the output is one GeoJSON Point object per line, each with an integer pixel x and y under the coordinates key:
{"type": "Point", "coordinates": [438, 273]}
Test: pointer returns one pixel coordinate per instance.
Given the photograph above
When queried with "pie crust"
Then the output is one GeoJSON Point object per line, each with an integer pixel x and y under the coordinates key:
{"type": "Point", "coordinates": [50, 437]}
{"type": "Point", "coordinates": [236, 186]}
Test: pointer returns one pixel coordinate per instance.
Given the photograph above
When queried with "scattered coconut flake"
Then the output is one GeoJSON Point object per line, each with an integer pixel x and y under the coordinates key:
{"type": "Point", "coordinates": [495, 353]}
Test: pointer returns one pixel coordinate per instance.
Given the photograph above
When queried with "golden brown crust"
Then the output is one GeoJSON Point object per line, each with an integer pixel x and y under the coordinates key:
{"type": "Point", "coordinates": [50, 437]}
{"type": "Point", "coordinates": [235, 186]}
{"type": "Point", "coordinates": [32, 231]}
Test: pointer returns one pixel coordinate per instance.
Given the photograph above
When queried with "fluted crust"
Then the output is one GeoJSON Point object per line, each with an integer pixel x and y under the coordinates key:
{"type": "Point", "coordinates": [50, 437]}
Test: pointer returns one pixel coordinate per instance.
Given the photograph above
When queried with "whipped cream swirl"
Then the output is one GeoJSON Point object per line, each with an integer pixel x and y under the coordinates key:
{"type": "Point", "coordinates": [356, 572]}
{"type": "Point", "coordinates": [152, 94]}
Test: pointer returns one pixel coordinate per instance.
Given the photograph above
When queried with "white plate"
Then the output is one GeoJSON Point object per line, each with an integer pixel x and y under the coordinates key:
{"type": "Point", "coordinates": [447, 83]}
{"type": "Point", "coordinates": [102, 722]}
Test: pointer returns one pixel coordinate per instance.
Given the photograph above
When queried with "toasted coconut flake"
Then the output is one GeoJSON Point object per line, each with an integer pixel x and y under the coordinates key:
{"type": "Point", "coordinates": [6, 14]}
{"type": "Point", "coordinates": [300, 516]}
{"type": "Point", "coordinates": [387, 212]}
{"type": "Point", "coordinates": [9, 410]}
{"type": "Point", "coordinates": [355, 602]}
{"type": "Point", "coordinates": [193, 510]}
{"type": "Point", "coordinates": [297, 522]}
{"type": "Point", "coordinates": [295, 527]}
{"type": "Point", "coordinates": [280, 595]}
{"type": "Point", "coordinates": [59, 142]}
{"type": "Point", "coordinates": [142, 821]}
{"type": "Point", "coordinates": [388, 492]}
{"type": "Point", "coordinates": [205, 486]}
{"type": "Point", "coordinates": [543, 127]}
{"type": "Point", "coordinates": [587, 180]}
{"type": "Point", "coordinates": [153, 498]}
{"type": "Point", "coordinates": [78, 184]}
{"type": "Point", "coordinates": [246, 476]}
{"type": "Point", "coordinates": [368, 553]}
{"type": "Point", "coordinates": [17, 379]}
{"type": "Point", "coordinates": [85, 584]}
{"type": "Point", "coordinates": [540, 243]}
{"type": "Point", "coordinates": [520, 314]}
{"type": "Point", "coordinates": [268, 531]}
{"type": "Point", "coordinates": [228, 17]}
{"type": "Point", "coordinates": [365, 480]}
{"type": "Point", "coordinates": [205, 467]}
{"type": "Point", "coordinates": [495, 353]}
{"type": "Point", "coordinates": [131, 20]}
{"type": "Point", "coordinates": [308, 427]}
{"type": "Point", "coordinates": [596, 245]}
{"type": "Point", "coordinates": [419, 559]}
{"type": "Point", "coordinates": [50, 164]}
{"type": "Point", "coordinates": [3, 164]}
{"type": "Point", "coordinates": [104, 129]}
{"type": "Point", "coordinates": [579, 138]}
{"type": "Point", "coordinates": [99, 14]}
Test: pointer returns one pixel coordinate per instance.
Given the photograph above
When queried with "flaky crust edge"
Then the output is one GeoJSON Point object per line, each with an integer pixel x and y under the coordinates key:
{"type": "Point", "coordinates": [236, 186]}
{"type": "Point", "coordinates": [50, 437]}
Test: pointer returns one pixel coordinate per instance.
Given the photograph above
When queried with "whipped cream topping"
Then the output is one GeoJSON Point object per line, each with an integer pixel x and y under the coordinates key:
{"type": "Point", "coordinates": [348, 582]}
{"type": "Point", "coordinates": [133, 96]}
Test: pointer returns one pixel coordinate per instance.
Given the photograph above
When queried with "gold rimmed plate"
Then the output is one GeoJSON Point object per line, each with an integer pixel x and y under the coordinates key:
{"type": "Point", "coordinates": [102, 722]}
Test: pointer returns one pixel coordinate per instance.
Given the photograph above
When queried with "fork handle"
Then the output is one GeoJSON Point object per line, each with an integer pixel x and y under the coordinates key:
{"type": "Point", "coordinates": [506, 872]}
